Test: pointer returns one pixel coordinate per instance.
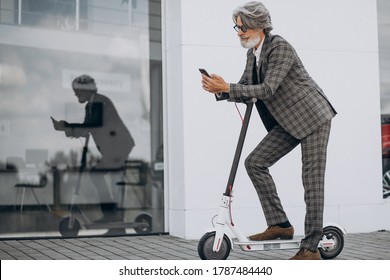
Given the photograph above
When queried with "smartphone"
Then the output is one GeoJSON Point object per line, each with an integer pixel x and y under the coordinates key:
{"type": "Point", "coordinates": [204, 72]}
{"type": "Point", "coordinates": [53, 120]}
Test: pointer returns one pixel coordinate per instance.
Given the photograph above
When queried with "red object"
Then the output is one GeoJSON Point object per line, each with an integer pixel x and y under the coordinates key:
{"type": "Point", "coordinates": [385, 139]}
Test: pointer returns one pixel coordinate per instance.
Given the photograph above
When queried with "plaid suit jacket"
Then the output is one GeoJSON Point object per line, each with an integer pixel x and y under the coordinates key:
{"type": "Point", "coordinates": [291, 96]}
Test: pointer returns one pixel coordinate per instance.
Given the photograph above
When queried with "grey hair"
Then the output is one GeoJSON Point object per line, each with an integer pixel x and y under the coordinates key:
{"type": "Point", "coordinates": [84, 82]}
{"type": "Point", "coordinates": [254, 15]}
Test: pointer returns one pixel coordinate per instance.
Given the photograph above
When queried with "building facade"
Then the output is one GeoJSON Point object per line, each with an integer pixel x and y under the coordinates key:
{"type": "Point", "coordinates": [144, 56]}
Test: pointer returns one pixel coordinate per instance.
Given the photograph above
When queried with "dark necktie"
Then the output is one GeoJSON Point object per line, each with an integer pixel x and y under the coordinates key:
{"type": "Point", "coordinates": [255, 76]}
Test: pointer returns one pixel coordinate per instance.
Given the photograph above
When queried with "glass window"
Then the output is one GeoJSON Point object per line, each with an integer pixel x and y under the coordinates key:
{"type": "Point", "coordinates": [383, 8]}
{"type": "Point", "coordinates": [81, 118]}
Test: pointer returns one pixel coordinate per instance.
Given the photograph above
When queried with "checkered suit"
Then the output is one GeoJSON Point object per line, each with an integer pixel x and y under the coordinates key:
{"type": "Point", "coordinates": [296, 112]}
{"type": "Point", "coordinates": [290, 94]}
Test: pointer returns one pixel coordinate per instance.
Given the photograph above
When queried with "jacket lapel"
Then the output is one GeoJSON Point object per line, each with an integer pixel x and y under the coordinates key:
{"type": "Point", "coordinates": [263, 57]}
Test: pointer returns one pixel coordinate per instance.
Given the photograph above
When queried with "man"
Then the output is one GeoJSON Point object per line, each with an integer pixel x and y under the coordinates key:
{"type": "Point", "coordinates": [112, 138]}
{"type": "Point", "coordinates": [294, 111]}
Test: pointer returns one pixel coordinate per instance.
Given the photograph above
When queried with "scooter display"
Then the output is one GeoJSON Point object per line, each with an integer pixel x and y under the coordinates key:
{"type": "Point", "coordinates": [70, 226]}
{"type": "Point", "coordinates": [216, 244]}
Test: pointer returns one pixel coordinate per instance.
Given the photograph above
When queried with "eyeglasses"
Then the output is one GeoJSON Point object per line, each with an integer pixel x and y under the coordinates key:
{"type": "Point", "coordinates": [243, 28]}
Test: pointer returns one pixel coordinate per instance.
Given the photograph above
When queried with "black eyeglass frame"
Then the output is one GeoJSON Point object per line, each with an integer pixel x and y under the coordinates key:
{"type": "Point", "coordinates": [243, 28]}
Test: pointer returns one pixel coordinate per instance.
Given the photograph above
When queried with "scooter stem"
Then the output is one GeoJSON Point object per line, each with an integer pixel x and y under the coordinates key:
{"type": "Point", "coordinates": [223, 217]}
{"type": "Point", "coordinates": [240, 144]}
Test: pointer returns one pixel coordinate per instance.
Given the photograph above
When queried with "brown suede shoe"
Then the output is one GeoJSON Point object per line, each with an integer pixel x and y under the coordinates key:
{"type": "Point", "coordinates": [274, 232]}
{"type": "Point", "coordinates": [305, 254]}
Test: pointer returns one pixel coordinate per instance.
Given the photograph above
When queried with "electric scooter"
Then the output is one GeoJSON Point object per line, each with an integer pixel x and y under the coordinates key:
{"type": "Point", "coordinates": [70, 226]}
{"type": "Point", "coordinates": [216, 244]}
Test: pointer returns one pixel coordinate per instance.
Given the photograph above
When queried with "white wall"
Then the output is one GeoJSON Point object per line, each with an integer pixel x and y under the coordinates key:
{"type": "Point", "coordinates": [337, 41]}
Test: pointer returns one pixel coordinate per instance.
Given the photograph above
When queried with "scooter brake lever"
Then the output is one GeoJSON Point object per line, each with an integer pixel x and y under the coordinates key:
{"type": "Point", "coordinates": [213, 219]}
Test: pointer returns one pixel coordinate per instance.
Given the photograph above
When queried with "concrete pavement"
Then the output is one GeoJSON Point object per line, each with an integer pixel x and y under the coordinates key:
{"type": "Point", "coordinates": [358, 246]}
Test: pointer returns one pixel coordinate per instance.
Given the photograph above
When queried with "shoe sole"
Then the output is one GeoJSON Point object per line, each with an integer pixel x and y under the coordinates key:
{"type": "Point", "coordinates": [278, 238]}
{"type": "Point", "coordinates": [287, 237]}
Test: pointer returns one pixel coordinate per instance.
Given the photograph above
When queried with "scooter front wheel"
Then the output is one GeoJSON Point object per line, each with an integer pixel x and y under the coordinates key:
{"type": "Point", "coordinates": [69, 227]}
{"type": "Point", "coordinates": [334, 234]}
{"type": "Point", "coordinates": [205, 247]}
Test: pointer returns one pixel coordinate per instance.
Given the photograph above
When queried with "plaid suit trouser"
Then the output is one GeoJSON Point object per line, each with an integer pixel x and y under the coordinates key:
{"type": "Point", "coordinates": [276, 144]}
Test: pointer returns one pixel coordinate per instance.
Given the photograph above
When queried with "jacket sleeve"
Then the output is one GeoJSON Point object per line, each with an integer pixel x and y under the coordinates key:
{"type": "Point", "coordinates": [93, 118]}
{"type": "Point", "coordinates": [243, 81]}
{"type": "Point", "coordinates": [278, 61]}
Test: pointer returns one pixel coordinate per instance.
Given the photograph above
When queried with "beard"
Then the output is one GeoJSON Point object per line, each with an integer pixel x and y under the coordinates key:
{"type": "Point", "coordinates": [250, 42]}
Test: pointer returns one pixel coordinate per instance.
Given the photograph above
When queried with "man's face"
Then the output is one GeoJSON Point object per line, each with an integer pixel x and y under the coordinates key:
{"type": "Point", "coordinates": [82, 95]}
{"type": "Point", "coordinates": [251, 38]}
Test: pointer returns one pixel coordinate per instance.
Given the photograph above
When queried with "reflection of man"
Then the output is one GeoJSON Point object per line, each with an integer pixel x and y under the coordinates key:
{"type": "Point", "coordinates": [102, 121]}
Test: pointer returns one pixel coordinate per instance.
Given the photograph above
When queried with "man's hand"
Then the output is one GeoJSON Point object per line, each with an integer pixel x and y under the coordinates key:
{"type": "Point", "coordinates": [216, 84]}
{"type": "Point", "coordinates": [58, 125]}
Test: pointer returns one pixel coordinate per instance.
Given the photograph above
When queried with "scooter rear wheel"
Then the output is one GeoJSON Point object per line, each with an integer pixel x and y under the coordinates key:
{"type": "Point", "coordinates": [145, 223]}
{"type": "Point", "coordinates": [331, 232]}
{"type": "Point", "coordinates": [205, 247]}
{"type": "Point", "coordinates": [68, 228]}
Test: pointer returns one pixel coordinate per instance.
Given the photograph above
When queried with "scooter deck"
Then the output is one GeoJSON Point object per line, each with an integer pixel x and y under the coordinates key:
{"type": "Point", "coordinates": [276, 244]}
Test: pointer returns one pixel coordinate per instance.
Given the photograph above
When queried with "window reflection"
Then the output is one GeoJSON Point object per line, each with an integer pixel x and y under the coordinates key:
{"type": "Point", "coordinates": [49, 180]}
{"type": "Point", "coordinates": [97, 16]}
{"type": "Point", "coordinates": [113, 141]}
